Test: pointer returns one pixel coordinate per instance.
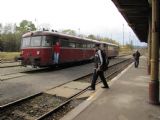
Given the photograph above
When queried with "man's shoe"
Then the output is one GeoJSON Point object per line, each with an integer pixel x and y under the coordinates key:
{"type": "Point", "coordinates": [107, 87]}
{"type": "Point", "coordinates": [91, 89]}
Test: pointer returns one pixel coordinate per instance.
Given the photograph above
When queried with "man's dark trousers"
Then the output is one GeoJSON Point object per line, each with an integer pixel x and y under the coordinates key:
{"type": "Point", "coordinates": [95, 76]}
{"type": "Point", "coordinates": [136, 63]}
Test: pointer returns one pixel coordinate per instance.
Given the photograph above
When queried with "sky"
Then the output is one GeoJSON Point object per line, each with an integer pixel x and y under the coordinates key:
{"type": "Point", "coordinates": [98, 17]}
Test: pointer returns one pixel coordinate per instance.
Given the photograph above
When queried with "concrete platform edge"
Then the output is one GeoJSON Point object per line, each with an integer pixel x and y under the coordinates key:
{"type": "Point", "coordinates": [76, 111]}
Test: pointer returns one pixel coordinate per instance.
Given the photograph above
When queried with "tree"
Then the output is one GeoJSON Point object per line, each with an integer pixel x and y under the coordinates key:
{"type": "Point", "coordinates": [7, 28]}
{"type": "Point", "coordinates": [91, 36]}
{"type": "Point", "coordinates": [25, 26]}
{"type": "Point", "coordinates": [69, 32]}
{"type": "Point", "coordinates": [44, 26]}
{"type": "Point", "coordinates": [1, 28]}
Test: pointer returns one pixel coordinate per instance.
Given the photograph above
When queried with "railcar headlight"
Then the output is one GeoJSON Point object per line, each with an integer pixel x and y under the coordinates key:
{"type": "Point", "coordinates": [38, 52]}
{"type": "Point", "coordinates": [22, 52]}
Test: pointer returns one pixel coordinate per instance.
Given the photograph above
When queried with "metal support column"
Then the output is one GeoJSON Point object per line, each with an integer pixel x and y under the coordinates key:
{"type": "Point", "coordinates": [149, 44]}
{"type": "Point", "coordinates": [154, 83]}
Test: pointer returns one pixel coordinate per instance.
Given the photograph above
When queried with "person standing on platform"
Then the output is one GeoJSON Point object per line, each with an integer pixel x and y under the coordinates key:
{"type": "Point", "coordinates": [136, 56]}
{"type": "Point", "coordinates": [98, 68]}
{"type": "Point", "coordinates": [57, 49]}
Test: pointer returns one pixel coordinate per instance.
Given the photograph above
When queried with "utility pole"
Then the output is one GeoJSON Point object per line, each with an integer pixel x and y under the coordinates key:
{"type": "Point", "coordinates": [123, 35]}
{"type": "Point", "coordinates": [79, 31]}
{"type": "Point", "coordinates": [129, 37]}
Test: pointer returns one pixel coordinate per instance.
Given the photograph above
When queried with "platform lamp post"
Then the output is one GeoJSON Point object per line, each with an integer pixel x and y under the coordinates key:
{"type": "Point", "coordinates": [154, 82]}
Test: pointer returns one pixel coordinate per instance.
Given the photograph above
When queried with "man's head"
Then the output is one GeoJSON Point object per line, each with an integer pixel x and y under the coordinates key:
{"type": "Point", "coordinates": [104, 47]}
{"type": "Point", "coordinates": [57, 43]}
{"type": "Point", "coordinates": [97, 46]}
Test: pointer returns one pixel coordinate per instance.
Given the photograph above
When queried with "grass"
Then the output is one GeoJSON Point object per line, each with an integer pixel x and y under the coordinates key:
{"type": "Point", "coordinates": [9, 56]}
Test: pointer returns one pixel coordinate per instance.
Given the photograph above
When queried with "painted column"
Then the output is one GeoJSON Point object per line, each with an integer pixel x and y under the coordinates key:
{"type": "Point", "coordinates": [154, 82]}
{"type": "Point", "coordinates": [149, 44]}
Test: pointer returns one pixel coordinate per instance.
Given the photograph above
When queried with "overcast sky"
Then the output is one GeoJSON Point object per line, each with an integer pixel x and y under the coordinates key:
{"type": "Point", "coordinates": [98, 17]}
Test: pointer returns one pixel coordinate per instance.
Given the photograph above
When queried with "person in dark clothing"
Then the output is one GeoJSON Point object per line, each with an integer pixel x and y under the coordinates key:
{"type": "Point", "coordinates": [98, 62]}
{"type": "Point", "coordinates": [136, 56]}
{"type": "Point", "coordinates": [1, 49]}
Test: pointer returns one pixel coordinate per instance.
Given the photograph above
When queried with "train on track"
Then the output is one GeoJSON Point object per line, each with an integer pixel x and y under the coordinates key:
{"type": "Point", "coordinates": [37, 48]}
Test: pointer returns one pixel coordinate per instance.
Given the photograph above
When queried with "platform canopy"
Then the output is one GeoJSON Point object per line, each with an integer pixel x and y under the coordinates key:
{"type": "Point", "coordinates": [136, 13]}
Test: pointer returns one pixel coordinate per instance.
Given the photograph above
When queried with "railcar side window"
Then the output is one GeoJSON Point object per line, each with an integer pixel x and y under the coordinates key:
{"type": "Point", "coordinates": [64, 43]}
{"type": "Point", "coordinates": [36, 41]}
{"type": "Point", "coordinates": [88, 45]}
{"type": "Point", "coordinates": [72, 44]}
{"type": "Point", "coordinates": [110, 48]}
{"type": "Point", "coordinates": [84, 45]}
{"type": "Point", "coordinates": [52, 39]}
{"type": "Point", "coordinates": [93, 45]}
{"type": "Point", "coordinates": [79, 45]}
{"type": "Point", "coordinates": [26, 42]}
{"type": "Point", "coordinates": [46, 42]}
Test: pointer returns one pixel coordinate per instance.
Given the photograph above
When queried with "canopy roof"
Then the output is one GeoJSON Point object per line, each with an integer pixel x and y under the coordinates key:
{"type": "Point", "coordinates": [136, 13]}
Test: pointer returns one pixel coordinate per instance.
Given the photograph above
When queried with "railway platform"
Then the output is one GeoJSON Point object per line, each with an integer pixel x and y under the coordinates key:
{"type": "Point", "coordinates": [127, 99]}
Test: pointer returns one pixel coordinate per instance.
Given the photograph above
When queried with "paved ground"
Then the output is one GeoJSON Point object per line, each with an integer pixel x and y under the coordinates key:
{"type": "Point", "coordinates": [20, 87]}
{"type": "Point", "coordinates": [127, 99]}
{"type": "Point", "coordinates": [17, 88]}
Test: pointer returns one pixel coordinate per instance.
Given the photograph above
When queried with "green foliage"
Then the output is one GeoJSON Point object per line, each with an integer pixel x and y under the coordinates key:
{"type": "Point", "coordinates": [10, 35]}
{"type": "Point", "coordinates": [104, 39]}
{"type": "Point", "coordinates": [69, 32]}
{"type": "Point", "coordinates": [25, 26]}
{"type": "Point", "coordinates": [9, 55]}
{"type": "Point", "coordinates": [91, 36]}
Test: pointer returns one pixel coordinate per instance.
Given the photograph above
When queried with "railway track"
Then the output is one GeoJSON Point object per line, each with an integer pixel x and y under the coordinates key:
{"type": "Point", "coordinates": [7, 64]}
{"type": "Point", "coordinates": [50, 104]}
{"type": "Point", "coordinates": [19, 73]}
{"type": "Point", "coordinates": [27, 71]}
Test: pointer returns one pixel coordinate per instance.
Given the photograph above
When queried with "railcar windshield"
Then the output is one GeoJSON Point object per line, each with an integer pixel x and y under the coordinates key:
{"type": "Point", "coordinates": [26, 42]}
{"type": "Point", "coordinates": [34, 41]}
{"type": "Point", "coordinates": [37, 41]}
{"type": "Point", "coordinates": [46, 41]}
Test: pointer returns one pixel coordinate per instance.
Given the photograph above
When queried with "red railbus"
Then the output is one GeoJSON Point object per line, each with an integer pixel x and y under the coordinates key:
{"type": "Point", "coordinates": [37, 48]}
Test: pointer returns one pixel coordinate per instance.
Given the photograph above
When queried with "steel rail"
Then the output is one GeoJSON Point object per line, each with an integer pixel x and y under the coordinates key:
{"type": "Point", "coordinates": [2, 107]}
{"type": "Point", "coordinates": [77, 94]}
{"type": "Point", "coordinates": [64, 103]}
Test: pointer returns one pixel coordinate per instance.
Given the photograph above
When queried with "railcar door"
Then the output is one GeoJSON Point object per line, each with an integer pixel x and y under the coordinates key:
{"type": "Point", "coordinates": [47, 49]}
{"type": "Point", "coordinates": [65, 50]}
{"type": "Point", "coordinates": [55, 49]}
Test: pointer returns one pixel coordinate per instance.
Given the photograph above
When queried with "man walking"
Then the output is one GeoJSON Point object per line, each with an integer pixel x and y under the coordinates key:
{"type": "Point", "coordinates": [98, 69]}
{"type": "Point", "coordinates": [136, 56]}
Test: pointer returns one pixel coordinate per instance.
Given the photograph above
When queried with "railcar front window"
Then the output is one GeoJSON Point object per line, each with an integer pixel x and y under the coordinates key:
{"type": "Point", "coordinates": [36, 41]}
{"type": "Point", "coordinates": [26, 42]}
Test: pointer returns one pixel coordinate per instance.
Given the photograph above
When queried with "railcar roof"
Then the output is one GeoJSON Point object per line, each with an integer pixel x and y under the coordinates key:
{"type": "Point", "coordinates": [39, 33]}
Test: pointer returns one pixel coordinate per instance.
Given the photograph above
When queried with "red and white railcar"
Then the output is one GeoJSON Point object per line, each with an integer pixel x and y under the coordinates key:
{"type": "Point", "coordinates": [37, 48]}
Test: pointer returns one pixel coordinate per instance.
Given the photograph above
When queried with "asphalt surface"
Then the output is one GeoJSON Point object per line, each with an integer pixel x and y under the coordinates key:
{"type": "Point", "coordinates": [17, 88]}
